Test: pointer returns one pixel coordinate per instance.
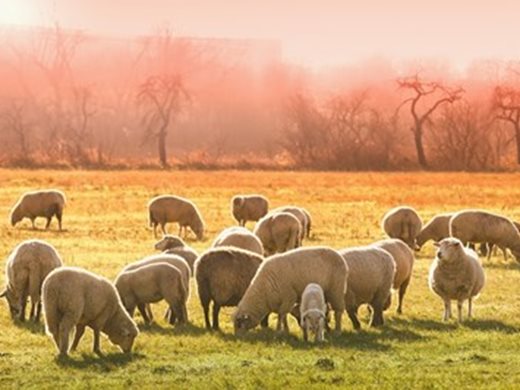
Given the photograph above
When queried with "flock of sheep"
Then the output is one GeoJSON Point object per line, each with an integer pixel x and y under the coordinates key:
{"type": "Point", "coordinates": [260, 272]}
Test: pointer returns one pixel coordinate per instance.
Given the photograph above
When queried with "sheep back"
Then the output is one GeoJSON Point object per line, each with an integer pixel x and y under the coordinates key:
{"type": "Point", "coordinates": [404, 223]}
{"type": "Point", "coordinates": [239, 237]}
{"type": "Point", "coordinates": [249, 207]}
{"type": "Point", "coordinates": [34, 204]}
{"type": "Point", "coordinates": [403, 257]}
{"type": "Point", "coordinates": [278, 232]}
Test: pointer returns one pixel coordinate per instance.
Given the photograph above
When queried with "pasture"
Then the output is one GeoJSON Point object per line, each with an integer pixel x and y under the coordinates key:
{"type": "Point", "coordinates": [105, 225]}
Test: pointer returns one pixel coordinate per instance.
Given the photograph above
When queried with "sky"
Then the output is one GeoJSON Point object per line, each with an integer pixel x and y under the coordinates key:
{"type": "Point", "coordinates": [312, 32]}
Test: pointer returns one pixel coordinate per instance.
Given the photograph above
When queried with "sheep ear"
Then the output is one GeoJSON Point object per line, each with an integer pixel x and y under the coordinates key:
{"type": "Point", "coordinates": [436, 244]}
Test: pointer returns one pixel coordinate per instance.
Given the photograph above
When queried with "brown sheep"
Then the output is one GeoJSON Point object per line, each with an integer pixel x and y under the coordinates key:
{"type": "Point", "coordinates": [249, 208]}
{"type": "Point", "coordinates": [47, 204]}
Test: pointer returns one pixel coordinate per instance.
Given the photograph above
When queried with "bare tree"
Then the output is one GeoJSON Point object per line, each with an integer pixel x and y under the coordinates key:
{"type": "Point", "coordinates": [435, 94]}
{"type": "Point", "coordinates": [506, 103]}
{"type": "Point", "coordinates": [14, 118]}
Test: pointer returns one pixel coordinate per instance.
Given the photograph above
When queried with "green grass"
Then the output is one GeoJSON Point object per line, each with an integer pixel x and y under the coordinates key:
{"type": "Point", "coordinates": [106, 228]}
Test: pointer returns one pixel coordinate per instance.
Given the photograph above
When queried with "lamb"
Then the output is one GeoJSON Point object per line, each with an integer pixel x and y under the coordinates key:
{"type": "Point", "coordinates": [436, 229]}
{"type": "Point", "coordinates": [404, 259]}
{"type": "Point", "coordinates": [370, 278]}
{"type": "Point", "coordinates": [46, 203]}
{"type": "Point", "coordinates": [278, 232]}
{"type": "Point", "coordinates": [281, 280]}
{"type": "Point", "coordinates": [479, 226]}
{"type": "Point", "coordinates": [456, 274]}
{"type": "Point", "coordinates": [174, 245]}
{"type": "Point", "coordinates": [169, 208]}
{"type": "Point", "coordinates": [301, 214]}
{"type": "Point", "coordinates": [313, 311]}
{"type": "Point", "coordinates": [249, 208]}
{"type": "Point", "coordinates": [223, 275]}
{"type": "Point", "coordinates": [152, 283]}
{"type": "Point", "coordinates": [27, 266]}
{"type": "Point", "coordinates": [404, 223]}
{"type": "Point", "coordinates": [73, 297]}
{"type": "Point", "coordinates": [239, 237]}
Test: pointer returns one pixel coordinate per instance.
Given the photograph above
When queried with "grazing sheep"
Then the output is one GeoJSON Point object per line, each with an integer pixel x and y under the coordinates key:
{"type": "Point", "coordinates": [281, 280]}
{"type": "Point", "coordinates": [152, 283]}
{"type": "Point", "coordinates": [27, 266]}
{"type": "Point", "coordinates": [301, 215]}
{"type": "Point", "coordinates": [456, 274]}
{"type": "Point", "coordinates": [47, 204]}
{"type": "Point", "coordinates": [278, 232]}
{"type": "Point", "coordinates": [313, 311]}
{"type": "Point", "coordinates": [223, 275]}
{"type": "Point", "coordinates": [404, 259]}
{"type": "Point", "coordinates": [174, 245]}
{"type": "Point", "coordinates": [239, 237]}
{"type": "Point", "coordinates": [73, 297]}
{"type": "Point", "coordinates": [249, 208]}
{"type": "Point", "coordinates": [169, 208]}
{"type": "Point", "coordinates": [436, 229]}
{"type": "Point", "coordinates": [309, 223]}
{"type": "Point", "coordinates": [404, 223]}
{"type": "Point", "coordinates": [479, 226]}
{"type": "Point", "coordinates": [370, 278]}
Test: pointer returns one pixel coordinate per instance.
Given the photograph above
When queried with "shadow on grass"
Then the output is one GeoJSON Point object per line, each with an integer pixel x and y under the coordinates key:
{"type": "Point", "coordinates": [490, 325]}
{"type": "Point", "coordinates": [105, 363]}
{"type": "Point", "coordinates": [441, 326]}
{"type": "Point", "coordinates": [42, 230]}
{"type": "Point", "coordinates": [177, 330]}
{"type": "Point", "coordinates": [31, 326]}
{"type": "Point", "coordinates": [509, 265]}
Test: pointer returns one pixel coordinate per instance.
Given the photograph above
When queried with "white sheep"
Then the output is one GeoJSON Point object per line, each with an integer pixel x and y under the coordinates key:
{"type": "Point", "coordinates": [239, 237]}
{"type": "Point", "coordinates": [27, 266]}
{"type": "Point", "coordinates": [73, 297]}
{"type": "Point", "coordinates": [370, 278]}
{"type": "Point", "coordinates": [404, 223]}
{"type": "Point", "coordinates": [404, 260]}
{"type": "Point", "coordinates": [170, 208]}
{"type": "Point", "coordinates": [46, 203]}
{"type": "Point", "coordinates": [301, 215]}
{"type": "Point", "coordinates": [281, 280]}
{"type": "Point", "coordinates": [279, 232]}
{"type": "Point", "coordinates": [479, 226]}
{"type": "Point", "coordinates": [313, 311]}
{"type": "Point", "coordinates": [249, 208]}
{"type": "Point", "coordinates": [174, 245]}
{"type": "Point", "coordinates": [456, 274]}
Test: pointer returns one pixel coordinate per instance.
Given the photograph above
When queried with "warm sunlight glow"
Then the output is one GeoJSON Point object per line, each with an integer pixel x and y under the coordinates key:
{"type": "Point", "coordinates": [14, 12]}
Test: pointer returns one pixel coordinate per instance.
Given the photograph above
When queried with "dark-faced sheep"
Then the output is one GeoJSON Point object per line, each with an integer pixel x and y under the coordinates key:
{"type": "Point", "coordinates": [47, 204]}
{"type": "Point", "coordinates": [174, 245]}
{"type": "Point", "coordinates": [248, 208]}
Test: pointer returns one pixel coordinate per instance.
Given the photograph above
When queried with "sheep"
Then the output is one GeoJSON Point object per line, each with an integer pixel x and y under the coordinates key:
{"type": "Point", "coordinates": [436, 229]}
{"type": "Point", "coordinates": [456, 274]}
{"type": "Point", "coordinates": [170, 208]}
{"type": "Point", "coordinates": [301, 214]}
{"type": "Point", "coordinates": [223, 275]}
{"type": "Point", "coordinates": [404, 223]}
{"type": "Point", "coordinates": [278, 232]}
{"type": "Point", "coordinates": [174, 245]}
{"type": "Point", "coordinates": [27, 266]}
{"type": "Point", "coordinates": [309, 223]}
{"type": "Point", "coordinates": [239, 237]}
{"type": "Point", "coordinates": [246, 208]}
{"type": "Point", "coordinates": [370, 278]}
{"type": "Point", "coordinates": [46, 203]}
{"type": "Point", "coordinates": [479, 226]}
{"type": "Point", "coordinates": [152, 283]}
{"type": "Point", "coordinates": [486, 248]}
{"type": "Point", "coordinates": [74, 297]}
{"type": "Point", "coordinates": [281, 280]}
{"type": "Point", "coordinates": [172, 259]}
{"type": "Point", "coordinates": [404, 259]}
{"type": "Point", "coordinates": [313, 311]}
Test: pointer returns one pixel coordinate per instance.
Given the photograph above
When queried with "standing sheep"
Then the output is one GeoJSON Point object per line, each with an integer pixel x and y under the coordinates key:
{"type": "Point", "coordinates": [174, 245]}
{"type": "Point", "coordinates": [404, 259]}
{"type": "Point", "coordinates": [281, 280]}
{"type": "Point", "coordinates": [313, 312]}
{"type": "Point", "coordinates": [456, 274]}
{"type": "Point", "coordinates": [73, 297]}
{"type": "Point", "coordinates": [479, 226]}
{"type": "Point", "coordinates": [404, 223]}
{"type": "Point", "coordinates": [278, 232]}
{"type": "Point", "coordinates": [249, 208]}
{"type": "Point", "coordinates": [47, 204]}
{"type": "Point", "coordinates": [436, 229]}
{"type": "Point", "coordinates": [152, 283]}
{"type": "Point", "coordinates": [169, 208]}
{"type": "Point", "coordinates": [223, 275]}
{"type": "Point", "coordinates": [301, 215]}
{"type": "Point", "coordinates": [27, 266]}
{"type": "Point", "coordinates": [239, 237]}
{"type": "Point", "coordinates": [370, 278]}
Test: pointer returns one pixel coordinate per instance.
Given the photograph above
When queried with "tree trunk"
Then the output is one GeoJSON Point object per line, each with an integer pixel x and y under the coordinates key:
{"type": "Point", "coordinates": [163, 159]}
{"type": "Point", "coordinates": [417, 132]}
{"type": "Point", "coordinates": [517, 137]}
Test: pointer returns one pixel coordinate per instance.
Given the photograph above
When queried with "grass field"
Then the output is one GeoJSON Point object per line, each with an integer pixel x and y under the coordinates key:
{"type": "Point", "coordinates": [106, 228]}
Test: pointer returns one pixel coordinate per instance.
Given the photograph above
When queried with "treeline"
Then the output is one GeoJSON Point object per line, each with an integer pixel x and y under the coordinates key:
{"type": "Point", "coordinates": [69, 99]}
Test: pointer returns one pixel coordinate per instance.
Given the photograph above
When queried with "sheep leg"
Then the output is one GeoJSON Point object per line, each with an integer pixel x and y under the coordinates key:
{"type": "Point", "coordinates": [459, 310]}
{"type": "Point", "coordinates": [38, 311]}
{"type": "Point", "coordinates": [80, 330]}
{"type": "Point", "coordinates": [504, 251]}
{"type": "Point", "coordinates": [149, 311]}
{"type": "Point", "coordinates": [65, 326]}
{"type": "Point", "coordinates": [470, 307]}
{"type": "Point", "coordinates": [180, 230]}
{"type": "Point", "coordinates": [142, 309]}
{"type": "Point", "coordinates": [216, 311]}
{"type": "Point", "coordinates": [33, 223]}
{"type": "Point", "coordinates": [59, 217]}
{"type": "Point", "coordinates": [447, 310]}
{"type": "Point", "coordinates": [163, 228]}
{"type": "Point", "coordinates": [96, 349]}
{"type": "Point", "coordinates": [489, 254]}
{"type": "Point", "coordinates": [305, 333]}
{"type": "Point", "coordinates": [281, 326]}
{"type": "Point", "coordinates": [205, 308]}
{"type": "Point", "coordinates": [337, 321]}
{"type": "Point", "coordinates": [352, 314]}
{"type": "Point", "coordinates": [377, 315]}
{"type": "Point", "coordinates": [265, 322]}
{"type": "Point", "coordinates": [48, 224]}
{"type": "Point", "coordinates": [23, 305]}
{"type": "Point", "coordinates": [32, 313]}
{"type": "Point", "coordinates": [402, 291]}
